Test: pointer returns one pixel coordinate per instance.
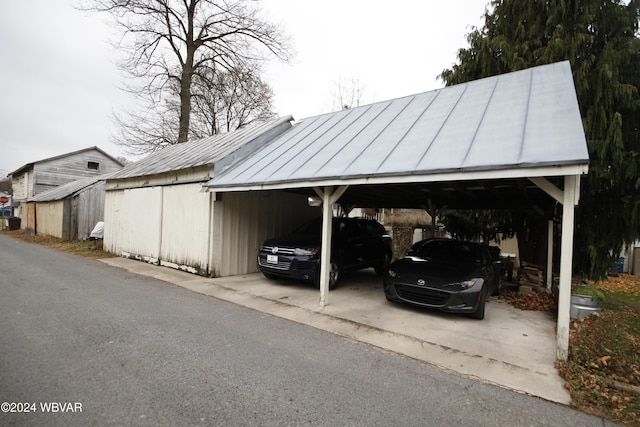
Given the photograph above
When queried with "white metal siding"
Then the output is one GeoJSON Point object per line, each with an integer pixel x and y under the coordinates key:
{"type": "Point", "coordinates": [180, 227]}
{"type": "Point", "coordinates": [133, 222]}
{"type": "Point", "coordinates": [185, 227]}
{"type": "Point", "coordinates": [242, 221]}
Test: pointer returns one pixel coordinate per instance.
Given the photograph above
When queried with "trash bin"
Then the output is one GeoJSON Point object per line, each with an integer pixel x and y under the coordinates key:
{"type": "Point", "coordinates": [14, 223]}
{"type": "Point", "coordinates": [618, 267]}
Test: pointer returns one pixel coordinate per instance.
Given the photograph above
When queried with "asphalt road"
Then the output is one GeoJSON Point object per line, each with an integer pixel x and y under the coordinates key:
{"type": "Point", "coordinates": [122, 349]}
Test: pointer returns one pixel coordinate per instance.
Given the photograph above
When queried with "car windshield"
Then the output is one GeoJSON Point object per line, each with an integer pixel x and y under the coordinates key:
{"type": "Point", "coordinates": [455, 252]}
{"type": "Point", "coordinates": [313, 227]}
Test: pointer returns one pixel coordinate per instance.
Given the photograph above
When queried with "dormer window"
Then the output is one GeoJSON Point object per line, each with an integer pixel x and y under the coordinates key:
{"type": "Point", "coordinates": [93, 165]}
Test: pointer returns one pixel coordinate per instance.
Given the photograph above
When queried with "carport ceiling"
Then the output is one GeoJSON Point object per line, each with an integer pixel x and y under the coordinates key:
{"type": "Point", "coordinates": [512, 193]}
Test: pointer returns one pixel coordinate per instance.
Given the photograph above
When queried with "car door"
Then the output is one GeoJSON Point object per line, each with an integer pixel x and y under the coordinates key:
{"type": "Point", "coordinates": [489, 270]}
{"type": "Point", "coordinates": [355, 252]}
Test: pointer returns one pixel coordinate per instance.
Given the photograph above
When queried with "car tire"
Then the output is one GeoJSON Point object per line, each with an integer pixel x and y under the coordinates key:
{"type": "Point", "coordinates": [479, 313]}
{"type": "Point", "coordinates": [384, 264]}
{"type": "Point", "coordinates": [334, 275]}
{"type": "Point", "coordinates": [498, 288]}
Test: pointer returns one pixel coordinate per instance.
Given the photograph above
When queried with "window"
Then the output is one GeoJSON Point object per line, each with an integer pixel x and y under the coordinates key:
{"type": "Point", "coordinates": [93, 165]}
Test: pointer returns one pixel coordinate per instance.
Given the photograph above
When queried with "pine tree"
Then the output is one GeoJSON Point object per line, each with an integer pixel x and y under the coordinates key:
{"type": "Point", "coordinates": [600, 39]}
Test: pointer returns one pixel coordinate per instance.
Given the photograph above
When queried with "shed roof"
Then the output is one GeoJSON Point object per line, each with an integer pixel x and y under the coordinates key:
{"type": "Point", "coordinates": [520, 124]}
{"type": "Point", "coordinates": [205, 151]}
{"type": "Point", "coordinates": [68, 189]}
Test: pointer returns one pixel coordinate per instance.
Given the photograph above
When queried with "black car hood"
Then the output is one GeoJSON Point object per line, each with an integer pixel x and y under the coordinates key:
{"type": "Point", "coordinates": [295, 241]}
{"type": "Point", "coordinates": [434, 273]}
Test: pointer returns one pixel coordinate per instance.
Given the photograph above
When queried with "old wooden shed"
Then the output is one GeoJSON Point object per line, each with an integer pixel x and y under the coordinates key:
{"type": "Point", "coordinates": [69, 211]}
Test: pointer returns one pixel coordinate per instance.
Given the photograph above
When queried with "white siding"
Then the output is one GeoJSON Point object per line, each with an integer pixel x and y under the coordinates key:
{"type": "Point", "coordinates": [19, 185]}
{"type": "Point", "coordinates": [242, 221]}
{"type": "Point", "coordinates": [182, 227]}
{"type": "Point", "coordinates": [132, 222]}
{"type": "Point", "coordinates": [185, 227]}
{"type": "Point", "coordinates": [164, 225]}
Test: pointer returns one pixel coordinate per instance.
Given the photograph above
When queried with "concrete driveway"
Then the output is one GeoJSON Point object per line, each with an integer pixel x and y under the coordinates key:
{"type": "Point", "coordinates": [511, 348]}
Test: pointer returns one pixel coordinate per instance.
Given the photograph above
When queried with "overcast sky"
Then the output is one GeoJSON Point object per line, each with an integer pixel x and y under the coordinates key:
{"type": "Point", "coordinates": [60, 84]}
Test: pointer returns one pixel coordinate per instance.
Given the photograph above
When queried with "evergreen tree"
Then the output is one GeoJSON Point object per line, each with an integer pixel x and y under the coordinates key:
{"type": "Point", "coordinates": [600, 39]}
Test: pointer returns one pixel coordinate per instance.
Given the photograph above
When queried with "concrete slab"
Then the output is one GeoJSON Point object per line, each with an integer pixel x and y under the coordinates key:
{"type": "Point", "coordinates": [511, 348]}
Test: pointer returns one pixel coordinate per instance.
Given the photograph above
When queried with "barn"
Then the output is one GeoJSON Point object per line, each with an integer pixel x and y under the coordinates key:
{"type": "Point", "coordinates": [39, 176]}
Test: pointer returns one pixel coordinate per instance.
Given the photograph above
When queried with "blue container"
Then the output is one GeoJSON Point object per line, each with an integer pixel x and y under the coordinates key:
{"type": "Point", "coordinates": [618, 267]}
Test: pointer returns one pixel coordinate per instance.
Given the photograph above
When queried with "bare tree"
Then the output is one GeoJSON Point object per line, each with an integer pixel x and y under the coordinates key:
{"type": "Point", "coordinates": [229, 100]}
{"type": "Point", "coordinates": [169, 43]}
{"type": "Point", "coordinates": [348, 93]}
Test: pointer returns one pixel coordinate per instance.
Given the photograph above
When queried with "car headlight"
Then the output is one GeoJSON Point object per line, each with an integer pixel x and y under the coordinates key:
{"type": "Point", "coordinates": [306, 251]}
{"type": "Point", "coordinates": [465, 284]}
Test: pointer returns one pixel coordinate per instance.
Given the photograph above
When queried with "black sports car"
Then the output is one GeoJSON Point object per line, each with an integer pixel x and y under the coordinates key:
{"type": "Point", "coordinates": [445, 274]}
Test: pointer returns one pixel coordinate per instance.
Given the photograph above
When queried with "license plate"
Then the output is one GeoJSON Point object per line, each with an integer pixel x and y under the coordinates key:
{"type": "Point", "coordinates": [272, 259]}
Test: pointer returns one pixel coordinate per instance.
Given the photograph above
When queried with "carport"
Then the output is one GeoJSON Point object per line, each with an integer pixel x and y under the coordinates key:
{"type": "Point", "coordinates": [513, 141]}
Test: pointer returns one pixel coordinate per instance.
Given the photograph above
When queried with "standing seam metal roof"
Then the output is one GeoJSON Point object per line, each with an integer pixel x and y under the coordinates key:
{"type": "Point", "coordinates": [200, 152]}
{"type": "Point", "coordinates": [524, 119]}
{"type": "Point", "coordinates": [68, 189]}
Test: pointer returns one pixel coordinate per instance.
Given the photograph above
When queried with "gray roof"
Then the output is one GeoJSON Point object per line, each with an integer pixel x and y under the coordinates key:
{"type": "Point", "coordinates": [518, 121]}
{"type": "Point", "coordinates": [68, 189]}
{"type": "Point", "coordinates": [205, 151]}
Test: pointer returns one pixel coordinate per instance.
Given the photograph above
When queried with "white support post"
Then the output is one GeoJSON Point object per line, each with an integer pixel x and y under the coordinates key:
{"type": "Point", "coordinates": [570, 198]}
{"type": "Point", "coordinates": [329, 197]}
{"type": "Point", "coordinates": [325, 254]}
{"type": "Point", "coordinates": [550, 255]}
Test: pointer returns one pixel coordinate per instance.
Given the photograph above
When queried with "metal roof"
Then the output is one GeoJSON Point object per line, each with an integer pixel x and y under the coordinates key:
{"type": "Point", "coordinates": [525, 123]}
{"type": "Point", "coordinates": [205, 151]}
{"type": "Point", "coordinates": [66, 190]}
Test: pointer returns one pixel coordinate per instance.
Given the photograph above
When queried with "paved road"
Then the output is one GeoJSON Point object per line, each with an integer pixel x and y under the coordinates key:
{"type": "Point", "coordinates": [129, 350]}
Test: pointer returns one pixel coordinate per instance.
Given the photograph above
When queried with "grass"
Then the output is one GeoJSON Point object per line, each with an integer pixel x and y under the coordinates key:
{"type": "Point", "coordinates": [86, 248]}
{"type": "Point", "coordinates": [602, 372]}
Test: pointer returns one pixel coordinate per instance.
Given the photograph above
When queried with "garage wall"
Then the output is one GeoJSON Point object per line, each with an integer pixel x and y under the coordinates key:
{"type": "Point", "coordinates": [132, 223]}
{"type": "Point", "coordinates": [180, 226]}
{"type": "Point", "coordinates": [185, 228]}
{"type": "Point", "coordinates": [165, 225]}
{"type": "Point", "coordinates": [243, 220]}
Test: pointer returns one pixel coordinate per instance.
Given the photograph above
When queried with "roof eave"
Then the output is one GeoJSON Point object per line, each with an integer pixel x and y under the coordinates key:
{"type": "Point", "coordinates": [457, 175]}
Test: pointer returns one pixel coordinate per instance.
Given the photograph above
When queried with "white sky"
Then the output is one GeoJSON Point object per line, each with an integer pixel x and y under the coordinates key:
{"type": "Point", "coordinates": [59, 84]}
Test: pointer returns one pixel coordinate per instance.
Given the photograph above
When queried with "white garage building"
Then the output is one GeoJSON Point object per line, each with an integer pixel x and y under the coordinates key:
{"type": "Point", "coordinates": [156, 210]}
